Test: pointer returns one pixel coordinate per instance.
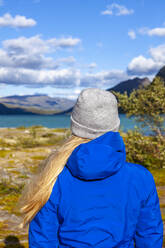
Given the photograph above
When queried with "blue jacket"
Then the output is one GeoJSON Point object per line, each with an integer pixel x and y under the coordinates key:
{"type": "Point", "coordinates": [100, 201]}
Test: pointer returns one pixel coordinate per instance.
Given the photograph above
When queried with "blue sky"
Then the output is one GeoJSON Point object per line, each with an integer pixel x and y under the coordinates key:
{"type": "Point", "coordinates": [59, 47]}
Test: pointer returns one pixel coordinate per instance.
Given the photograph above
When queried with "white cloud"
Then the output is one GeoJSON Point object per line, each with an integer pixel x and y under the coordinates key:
{"type": "Point", "coordinates": [40, 78]}
{"type": "Point", "coordinates": [158, 53]}
{"type": "Point", "coordinates": [132, 34]}
{"type": "Point", "coordinates": [103, 78]}
{"type": "Point", "coordinates": [141, 65]}
{"type": "Point", "coordinates": [25, 61]}
{"type": "Point", "coordinates": [33, 45]}
{"type": "Point", "coordinates": [39, 72]}
{"type": "Point", "coordinates": [16, 22]}
{"type": "Point", "coordinates": [36, 44]}
{"type": "Point", "coordinates": [64, 78]}
{"type": "Point", "coordinates": [69, 60]}
{"type": "Point", "coordinates": [32, 53]}
{"type": "Point", "coordinates": [26, 53]}
{"type": "Point", "coordinates": [64, 42]}
{"type": "Point", "coordinates": [147, 66]}
{"type": "Point", "coordinates": [157, 32]}
{"type": "Point", "coordinates": [35, 61]}
{"type": "Point", "coordinates": [118, 10]}
{"type": "Point", "coordinates": [152, 32]}
{"type": "Point", "coordinates": [92, 65]}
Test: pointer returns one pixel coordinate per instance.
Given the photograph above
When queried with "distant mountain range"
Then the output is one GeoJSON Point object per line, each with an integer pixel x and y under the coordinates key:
{"type": "Point", "coordinates": [34, 104]}
{"type": "Point", "coordinates": [161, 73]}
{"type": "Point", "coordinates": [130, 85]}
{"type": "Point", "coordinates": [40, 104]}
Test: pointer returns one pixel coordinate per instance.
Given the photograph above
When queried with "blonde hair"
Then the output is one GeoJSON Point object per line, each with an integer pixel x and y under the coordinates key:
{"type": "Point", "coordinates": [37, 192]}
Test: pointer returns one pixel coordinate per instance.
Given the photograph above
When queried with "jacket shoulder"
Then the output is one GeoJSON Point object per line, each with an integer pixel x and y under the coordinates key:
{"type": "Point", "coordinates": [142, 176]}
{"type": "Point", "coordinates": [139, 168]}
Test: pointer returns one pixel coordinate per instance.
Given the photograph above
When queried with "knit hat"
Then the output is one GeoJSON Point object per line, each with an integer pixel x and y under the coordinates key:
{"type": "Point", "coordinates": [95, 113]}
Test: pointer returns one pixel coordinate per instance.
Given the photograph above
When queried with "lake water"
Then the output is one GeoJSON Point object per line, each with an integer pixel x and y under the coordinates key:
{"type": "Point", "coordinates": [58, 121]}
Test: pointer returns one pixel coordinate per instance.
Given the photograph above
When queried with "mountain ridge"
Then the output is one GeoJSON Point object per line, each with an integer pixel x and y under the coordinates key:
{"type": "Point", "coordinates": [130, 84]}
{"type": "Point", "coordinates": [35, 104]}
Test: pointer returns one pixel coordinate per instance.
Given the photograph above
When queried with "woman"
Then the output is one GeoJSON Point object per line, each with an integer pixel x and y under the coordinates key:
{"type": "Point", "coordinates": [86, 194]}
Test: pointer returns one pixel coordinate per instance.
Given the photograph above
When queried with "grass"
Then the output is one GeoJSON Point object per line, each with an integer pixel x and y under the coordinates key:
{"type": "Point", "coordinates": [161, 193]}
{"type": "Point", "coordinates": [16, 172]}
{"type": "Point", "coordinates": [9, 195]}
{"type": "Point", "coordinates": [55, 140]}
{"type": "Point", "coordinates": [23, 176]}
{"type": "Point", "coordinates": [47, 135]}
{"type": "Point", "coordinates": [7, 188]}
{"type": "Point", "coordinates": [60, 130]}
{"type": "Point", "coordinates": [21, 127]}
{"type": "Point", "coordinates": [36, 126]}
{"type": "Point", "coordinates": [33, 169]}
{"type": "Point", "coordinates": [3, 225]}
{"type": "Point", "coordinates": [27, 142]}
{"type": "Point", "coordinates": [11, 162]}
{"type": "Point", "coordinates": [159, 176]}
{"type": "Point", "coordinates": [35, 138]}
{"type": "Point", "coordinates": [4, 153]}
{"type": "Point", "coordinates": [8, 202]}
{"type": "Point", "coordinates": [38, 157]}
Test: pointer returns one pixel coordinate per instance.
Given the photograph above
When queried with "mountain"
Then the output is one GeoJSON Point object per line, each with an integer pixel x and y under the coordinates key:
{"type": "Point", "coordinates": [161, 73]}
{"type": "Point", "coordinates": [38, 101]}
{"type": "Point", "coordinates": [4, 110]}
{"type": "Point", "coordinates": [130, 85]}
{"type": "Point", "coordinates": [36, 104]}
{"type": "Point", "coordinates": [67, 112]}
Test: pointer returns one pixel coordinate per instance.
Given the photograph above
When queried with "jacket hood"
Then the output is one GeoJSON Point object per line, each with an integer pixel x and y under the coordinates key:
{"type": "Point", "coordinates": [99, 158]}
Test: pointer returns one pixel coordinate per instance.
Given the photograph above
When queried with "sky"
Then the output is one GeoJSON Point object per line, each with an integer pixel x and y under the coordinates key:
{"type": "Point", "coordinates": [59, 47]}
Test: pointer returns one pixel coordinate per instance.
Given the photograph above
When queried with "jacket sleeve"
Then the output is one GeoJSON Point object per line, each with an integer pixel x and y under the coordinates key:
{"type": "Point", "coordinates": [43, 229]}
{"type": "Point", "coordinates": [149, 229]}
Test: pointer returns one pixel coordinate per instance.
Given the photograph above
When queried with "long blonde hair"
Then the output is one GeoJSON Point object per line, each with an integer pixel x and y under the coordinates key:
{"type": "Point", "coordinates": [37, 192]}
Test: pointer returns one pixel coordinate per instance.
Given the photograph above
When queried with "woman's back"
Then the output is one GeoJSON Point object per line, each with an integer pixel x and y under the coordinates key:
{"type": "Point", "coordinates": [99, 200]}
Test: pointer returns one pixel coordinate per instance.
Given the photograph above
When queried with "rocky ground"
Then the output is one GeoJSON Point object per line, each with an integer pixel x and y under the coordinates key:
{"type": "Point", "coordinates": [21, 151]}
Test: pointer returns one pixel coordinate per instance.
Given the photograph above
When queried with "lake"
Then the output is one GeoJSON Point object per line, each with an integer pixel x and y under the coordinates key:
{"type": "Point", "coordinates": [58, 121]}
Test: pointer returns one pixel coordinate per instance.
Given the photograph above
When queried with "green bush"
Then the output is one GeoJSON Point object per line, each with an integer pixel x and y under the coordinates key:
{"type": "Point", "coordinates": [146, 150]}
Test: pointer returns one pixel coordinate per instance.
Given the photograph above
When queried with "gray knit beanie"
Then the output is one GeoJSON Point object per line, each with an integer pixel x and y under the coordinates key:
{"type": "Point", "coordinates": [95, 113]}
